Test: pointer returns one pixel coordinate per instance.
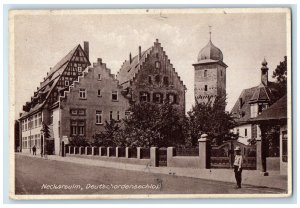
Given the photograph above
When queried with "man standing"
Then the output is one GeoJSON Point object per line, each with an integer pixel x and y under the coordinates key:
{"type": "Point", "coordinates": [238, 161]}
{"type": "Point", "coordinates": [34, 150]}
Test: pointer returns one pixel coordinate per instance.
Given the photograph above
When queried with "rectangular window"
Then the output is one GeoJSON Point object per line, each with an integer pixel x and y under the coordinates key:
{"type": "Point", "coordinates": [99, 93]}
{"type": "Point", "coordinates": [67, 83]}
{"type": "Point", "coordinates": [82, 93]}
{"type": "Point", "coordinates": [238, 132]}
{"type": "Point", "coordinates": [157, 65]}
{"type": "Point", "coordinates": [51, 117]}
{"type": "Point", "coordinates": [36, 120]}
{"type": "Point", "coordinates": [149, 79]}
{"type": "Point", "coordinates": [114, 96]}
{"type": "Point", "coordinates": [74, 128]}
{"type": "Point", "coordinates": [79, 69]}
{"type": "Point", "coordinates": [81, 128]}
{"type": "Point", "coordinates": [144, 97]}
{"type": "Point", "coordinates": [81, 112]}
{"type": "Point", "coordinates": [39, 119]}
{"type": "Point", "coordinates": [205, 87]}
{"type": "Point", "coordinates": [110, 115]}
{"type": "Point", "coordinates": [284, 146]}
{"type": "Point", "coordinates": [77, 127]}
{"type": "Point", "coordinates": [127, 114]}
{"type": "Point", "coordinates": [98, 117]}
{"type": "Point", "coordinates": [99, 77]}
{"type": "Point", "coordinates": [74, 112]}
{"type": "Point", "coordinates": [118, 116]}
{"type": "Point", "coordinates": [157, 98]}
{"type": "Point", "coordinates": [205, 73]}
{"type": "Point", "coordinates": [246, 132]}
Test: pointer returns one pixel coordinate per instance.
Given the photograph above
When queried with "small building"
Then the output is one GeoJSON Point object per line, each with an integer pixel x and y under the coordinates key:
{"type": "Point", "coordinates": [275, 116]}
{"type": "Point", "coordinates": [73, 100]}
{"type": "Point", "coordinates": [150, 77]}
{"type": "Point", "coordinates": [251, 103]}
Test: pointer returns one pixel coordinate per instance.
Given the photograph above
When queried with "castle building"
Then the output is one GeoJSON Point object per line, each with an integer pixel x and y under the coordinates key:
{"type": "Point", "coordinates": [210, 74]}
{"type": "Point", "coordinates": [150, 77]}
{"type": "Point", "coordinates": [73, 100]}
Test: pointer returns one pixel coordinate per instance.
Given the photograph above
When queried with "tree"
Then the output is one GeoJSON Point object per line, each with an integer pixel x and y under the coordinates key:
{"type": "Point", "coordinates": [280, 74]}
{"type": "Point", "coordinates": [45, 130]}
{"type": "Point", "coordinates": [153, 125]}
{"type": "Point", "coordinates": [49, 145]}
{"type": "Point", "coordinates": [111, 136]}
{"type": "Point", "coordinates": [210, 119]}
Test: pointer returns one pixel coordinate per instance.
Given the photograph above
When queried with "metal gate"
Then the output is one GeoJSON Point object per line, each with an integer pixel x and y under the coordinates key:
{"type": "Point", "coordinates": [162, 157]}
{"type": "Point", "coordinates": [223, 156]}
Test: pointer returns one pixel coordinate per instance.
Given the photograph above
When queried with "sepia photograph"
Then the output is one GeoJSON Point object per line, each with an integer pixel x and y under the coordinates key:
{"type": "Point", "coordinates": [150, 103]}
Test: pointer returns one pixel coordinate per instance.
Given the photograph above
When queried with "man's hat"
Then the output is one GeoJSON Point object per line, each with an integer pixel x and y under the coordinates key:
{"type": "Point", "coordinates": [237, 148]}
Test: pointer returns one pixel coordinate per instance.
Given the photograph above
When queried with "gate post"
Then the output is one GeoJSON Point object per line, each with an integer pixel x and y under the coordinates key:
{"type": "Point", "coordinates": [108, 151]}
{"type": "Point", "coordinates": [138, 152]}
{"type": "Point", "coordinates": [170, 155]}
{"type": "Point", "coordinates": [100, 151]}
{"type": "Point", "coordinates": [153, 157]}
{"type": "Point", "coordinates": [117, 151]}
{"type": "Point", "coordinates": [86, 150]}
{"type": "Point", "coordinates": [93, 150]}
{"type": "Point", "coordinates": [204, 156]}
{"type": "Point", "coordinates": [127, 152]}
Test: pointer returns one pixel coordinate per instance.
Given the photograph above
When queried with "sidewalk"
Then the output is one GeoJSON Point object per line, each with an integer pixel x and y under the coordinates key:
{"type": "Point", "coordinates": [250, 177]}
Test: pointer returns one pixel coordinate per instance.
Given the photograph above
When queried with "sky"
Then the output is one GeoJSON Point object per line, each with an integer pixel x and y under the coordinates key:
{"type": "Point", "coordinates": [41, 40]}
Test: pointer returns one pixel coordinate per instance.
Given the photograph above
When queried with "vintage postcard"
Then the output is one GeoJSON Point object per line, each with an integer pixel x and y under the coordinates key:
{"type": "Point", "coordinates": [150, 103]}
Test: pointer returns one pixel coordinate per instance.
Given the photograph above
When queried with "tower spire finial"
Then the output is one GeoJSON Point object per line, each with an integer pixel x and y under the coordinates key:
{"type": "Point", "coordinates": [209, 26]}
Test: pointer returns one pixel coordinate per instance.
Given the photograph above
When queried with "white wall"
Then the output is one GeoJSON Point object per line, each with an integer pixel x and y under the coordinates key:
{"type": "Point", "coordinates": [56, 119]}
{"type": "Point", "coordinates": [283, 165]}
{"type": "Point", "coordinates": [242, 137]}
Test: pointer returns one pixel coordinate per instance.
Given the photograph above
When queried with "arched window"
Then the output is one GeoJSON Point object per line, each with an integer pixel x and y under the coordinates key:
{"type": "Point", "coordinates": [157, 97]}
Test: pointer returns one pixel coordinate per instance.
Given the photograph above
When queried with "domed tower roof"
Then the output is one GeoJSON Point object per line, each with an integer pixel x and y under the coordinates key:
{"type": "Point", "coordinates": [210, 51]}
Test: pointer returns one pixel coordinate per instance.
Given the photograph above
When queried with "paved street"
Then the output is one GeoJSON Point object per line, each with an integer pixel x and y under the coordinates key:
{"type": "Point", "coordinates": [40, 176]}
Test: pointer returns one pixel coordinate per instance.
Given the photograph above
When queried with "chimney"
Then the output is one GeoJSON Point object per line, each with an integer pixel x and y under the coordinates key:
{"type": "Point", "coordinates": [264, 72]}
{"type": "Point", "coordinates": [130, 58]}
{"type": "Point", "coordinates": [99, 60]}
{"type": "Point", "coordinates": [86, 49]}
{"type": "Point", "coordinates": [140, 52]}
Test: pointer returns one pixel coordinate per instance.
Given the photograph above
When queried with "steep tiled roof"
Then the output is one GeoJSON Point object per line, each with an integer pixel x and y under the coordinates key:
{"type": "Point", "coordinates": [128, 70]}
{"type": "Point", "coordinates": [259, 93]}
{"type": "Point", "coordinates": [277, 111]}
{"type": "Point", "coordinates": [51, 80]}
